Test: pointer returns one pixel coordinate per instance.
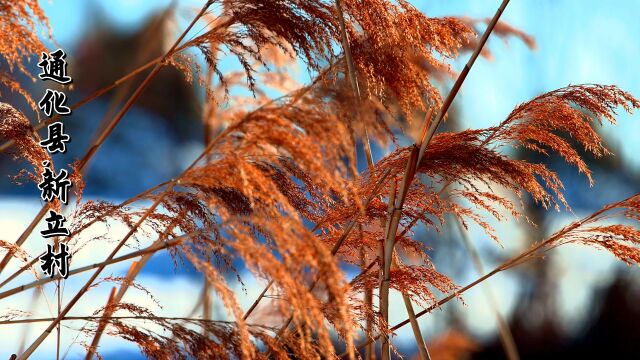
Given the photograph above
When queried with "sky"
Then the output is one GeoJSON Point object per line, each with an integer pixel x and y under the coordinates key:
{"type": "Point", "coordinates": [579, 41]}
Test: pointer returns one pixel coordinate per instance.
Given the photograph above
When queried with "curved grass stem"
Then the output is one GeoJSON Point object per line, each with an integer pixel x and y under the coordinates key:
{"type": "Point", "coordinates": [84, 161]}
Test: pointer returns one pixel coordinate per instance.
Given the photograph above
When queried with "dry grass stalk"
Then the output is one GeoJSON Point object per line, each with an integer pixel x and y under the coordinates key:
{"type": "Point", "coordinates": [101, 326]}
{"type": "Point", "coordinates": [100, 218]}
{"type": "Point", "coordinates": [19, 40]}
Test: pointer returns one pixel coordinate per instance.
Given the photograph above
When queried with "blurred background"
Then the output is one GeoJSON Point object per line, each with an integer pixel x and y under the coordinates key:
{"type": "Point", "coordinates": [576, 303]}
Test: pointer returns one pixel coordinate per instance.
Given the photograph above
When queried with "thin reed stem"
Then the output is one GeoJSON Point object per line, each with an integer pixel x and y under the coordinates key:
{"type": "Point", "coordinates": [512, 262]}
{"type": "Point", "coordinates": [132, 317]}
{"type": "Point", "coordinates": [416, 157]}
{"type": "Point", "coordinates": [41, 125]}
{"type": "Point", "coordinates": [177, 241]}
{"type": "Point", "coordinates": [93, 149]}
{"type": "Point", "coordinates": [58, 333]}
{"type": "Point", "coordinates": [347, 230]}
{"type": "Point", "coordinates": [84, 227]}
{"type": "Point", "coordinates": [353, 79]}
